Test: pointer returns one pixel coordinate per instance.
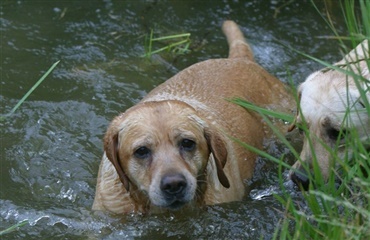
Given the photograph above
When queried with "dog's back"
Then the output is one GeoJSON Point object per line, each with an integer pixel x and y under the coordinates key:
{"type": "Point", "coordinates": [207, 86]}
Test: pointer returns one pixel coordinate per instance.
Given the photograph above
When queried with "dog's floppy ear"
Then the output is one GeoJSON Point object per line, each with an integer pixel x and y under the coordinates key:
{"type": "Point", "coordinates": [219, 151]}
{"type": "Point", "coordinates": [111, 151]}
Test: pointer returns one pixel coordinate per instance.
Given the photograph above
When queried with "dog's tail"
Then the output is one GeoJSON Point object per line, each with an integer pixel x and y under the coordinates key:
{"type": "Point", "coordinates": [238, 47]}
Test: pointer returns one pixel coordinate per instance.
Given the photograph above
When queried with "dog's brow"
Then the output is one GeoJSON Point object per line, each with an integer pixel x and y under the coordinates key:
{"type": "Point", "coordinates": [185, 134]}
{"type": "Point", "coordinates": [142, 141]}
{"type": "Point", "coordinates": [197, 120]}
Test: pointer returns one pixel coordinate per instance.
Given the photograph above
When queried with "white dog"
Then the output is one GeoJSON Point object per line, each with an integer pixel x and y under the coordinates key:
{"type": "Point", "coordinates": [332, 106]}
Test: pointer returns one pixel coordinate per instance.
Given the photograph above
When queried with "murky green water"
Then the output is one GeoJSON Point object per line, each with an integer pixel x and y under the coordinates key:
{"type": "Point", "coordinates": [51, 147]}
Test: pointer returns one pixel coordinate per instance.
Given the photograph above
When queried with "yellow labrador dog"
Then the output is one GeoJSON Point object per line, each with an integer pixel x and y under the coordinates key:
{"type": "Point", "coordinates": [174, 148]}
{"type": "Point", "coordinates": [332, 106]}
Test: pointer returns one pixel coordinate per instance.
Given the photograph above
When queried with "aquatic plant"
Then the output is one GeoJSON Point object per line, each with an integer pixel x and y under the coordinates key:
{"type": "Point", "coordinates": [177, 44]}
{"type": "Point", "coordinates": [14, 227]}
{"type": "Point", "coordinates": [3, 116]}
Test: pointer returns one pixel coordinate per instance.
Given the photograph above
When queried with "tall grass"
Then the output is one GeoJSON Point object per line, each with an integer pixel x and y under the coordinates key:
{"type": "Point", "coordinates": [332, 209]}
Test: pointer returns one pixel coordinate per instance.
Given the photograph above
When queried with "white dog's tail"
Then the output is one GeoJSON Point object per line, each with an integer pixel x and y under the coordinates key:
{"type": "Point", "coordinates": [238, 47]}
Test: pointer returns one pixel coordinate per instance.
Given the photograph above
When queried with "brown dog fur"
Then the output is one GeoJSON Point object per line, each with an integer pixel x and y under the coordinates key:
{"type": "Point", "coordinates": [182, 129]}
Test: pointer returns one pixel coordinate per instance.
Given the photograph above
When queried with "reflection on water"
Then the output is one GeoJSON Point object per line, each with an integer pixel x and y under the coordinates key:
{"type": "Point", "coordinates": [51, 147]}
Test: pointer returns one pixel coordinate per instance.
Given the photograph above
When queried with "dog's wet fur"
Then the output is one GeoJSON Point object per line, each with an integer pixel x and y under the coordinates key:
{"type": "Point", "coordinates": [175, 147]}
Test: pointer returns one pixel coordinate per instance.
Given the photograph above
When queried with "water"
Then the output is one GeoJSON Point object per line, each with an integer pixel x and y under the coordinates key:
{"type": "Point", "coordinates": [51, 146]}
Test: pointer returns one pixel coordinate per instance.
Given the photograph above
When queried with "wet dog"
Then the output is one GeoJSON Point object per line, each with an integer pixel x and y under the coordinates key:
{"type": "Point", "coordinates": [175, 147]}
{"type": "Point", "coordinates": [332, 106]}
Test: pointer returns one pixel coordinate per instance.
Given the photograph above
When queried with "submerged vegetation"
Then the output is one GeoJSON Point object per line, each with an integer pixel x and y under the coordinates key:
{"type": "Point", "coordinates": [177, 44]}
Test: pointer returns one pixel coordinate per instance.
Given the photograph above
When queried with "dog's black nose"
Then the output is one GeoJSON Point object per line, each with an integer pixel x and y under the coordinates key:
{"type": "Point", "coordinates": [300, 178]}
{"type": "Point", "coordinates": [173, 184]}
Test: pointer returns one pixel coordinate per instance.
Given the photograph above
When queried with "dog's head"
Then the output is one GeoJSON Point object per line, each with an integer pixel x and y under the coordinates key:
{"type": "Point", "coordinates": [161, 150]}
{"type": "Point", "coordinates": [332, 108]}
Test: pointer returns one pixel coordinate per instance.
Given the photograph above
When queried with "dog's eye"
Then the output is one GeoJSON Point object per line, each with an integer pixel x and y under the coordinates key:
{"type": "Point", "coordinates": [335, 134]}
{"type": "Point", "coordinates": [142, 152]}
{"type": "Point", "coordinates": [187, 145]}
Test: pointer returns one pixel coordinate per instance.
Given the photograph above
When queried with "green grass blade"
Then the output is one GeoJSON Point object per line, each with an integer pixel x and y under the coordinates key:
{"type": "Point", "coordinates": [260, 152]}
{"type": "Point", "coordinates": [32, 89]}
{"type": "Point", "coordinates": [168, 47]}
{"type": "Point", "coordinates": [265, 114]}
{"type": "Point", "coordinates": [174, 45]}
{"type": "Point", "coordinates": [251, 106]}
{"type": "Point", "coordinates": [187, 35]}
{"type": "Point", "coordinates": [331, 66]}
{"type": "Point", "coordinates": [14, 227]}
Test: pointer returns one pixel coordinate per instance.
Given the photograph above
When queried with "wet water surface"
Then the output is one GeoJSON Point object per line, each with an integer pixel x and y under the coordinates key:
{"type": "Point", "coordinates": [51, 147]}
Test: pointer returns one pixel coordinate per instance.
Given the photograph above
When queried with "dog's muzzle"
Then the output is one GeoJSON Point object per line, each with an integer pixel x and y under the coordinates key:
{"type": "Point", "coordinates": [173, 188]}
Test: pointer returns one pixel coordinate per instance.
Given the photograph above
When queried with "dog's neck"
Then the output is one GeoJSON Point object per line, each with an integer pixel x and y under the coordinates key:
{"type": "Point", "coordinates": [141, 199]}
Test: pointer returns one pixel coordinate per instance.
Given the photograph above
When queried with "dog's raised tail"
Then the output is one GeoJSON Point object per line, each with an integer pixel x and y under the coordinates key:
{"type": "Point", "coordinates": [238, 47]}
